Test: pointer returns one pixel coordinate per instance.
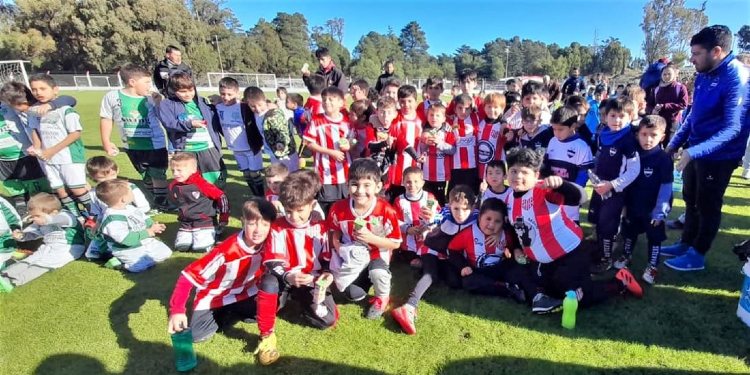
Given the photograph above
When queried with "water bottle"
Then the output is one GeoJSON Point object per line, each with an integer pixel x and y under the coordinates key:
{"type": "Point", "coordinates": [184, 354]}
{"type": "Point", "coordinates": [596, 181]}
{"type": "Point", "coordinates": [570, 306]}
{"type": "Point", "coordinates": [677, 181]}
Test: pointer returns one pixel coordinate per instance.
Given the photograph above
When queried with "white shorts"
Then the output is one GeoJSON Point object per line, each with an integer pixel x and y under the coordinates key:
{"type": "Point", "coordinates": [144, 257]}
{"type": "Point", "coordinates": [248, 161]}
{"type": "Point", "coordinates": [71, 176]}
{"type": "Point", "coordinates": [199, 239]}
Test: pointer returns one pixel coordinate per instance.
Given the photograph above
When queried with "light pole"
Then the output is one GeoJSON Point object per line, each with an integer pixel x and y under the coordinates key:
{"type": "Point", "coordinates": [218, 50]}
{"type": "Point", "coordinates": [507, 56]}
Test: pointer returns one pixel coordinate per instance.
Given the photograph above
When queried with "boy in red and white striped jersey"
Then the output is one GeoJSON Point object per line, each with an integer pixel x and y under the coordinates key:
{"type": "Point", "coordinates": [434, 88]}
{"type": "Point", "coordinates": [225, 278]}
{"type": "Point", "coordinates": [326, 137]}
{"type": "Point", "coordinates": [465, 125]}
{"type": "Point", "coordinates": [491, 133]}
{"type": "Point", "coordinates": [295, 263]}
{"type": "Point", "coordinates": [437, 145]}
{"type": "Point", "coordinates": [417, 211]}
{"type": "Point", "coordinates": [406, 133]}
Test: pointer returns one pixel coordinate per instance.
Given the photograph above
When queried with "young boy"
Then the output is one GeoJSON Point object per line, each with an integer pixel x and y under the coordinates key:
{"type": "Point", "coordinates": [459, 215]}
{"type": "Point", "coordinates": [495, 178]}
{"type": "Point", "coordinates": [364, 231]}
{"type": "Point", "coordinates": [417, 211]}
{"type": "Point", "coordinates": [378, 138]}
{"type": "Point", "coordinates": [295, 262]}
{"type": "Point", "coordinates": [406, 133]}
{"type": "Point", "coordinates": [434, 87]}
{"type": "Point", "coordinates": [10, 221]}
{"type": "Point", "coordinates": [437, 145]}
{"type": "Point", "coordinates": [468, 81]}
{"type": "Point", "coordinates": [617, 166]}
{"type": "Point", "coordinates": [491, 133]}
{"type": "Point", "coordinates": [275, 174]}
{"type": "Point", "coordinates": [280, 102]}
{"type": "Point", "coordinates": [294, 103]}
{"type": "Point", "coordinates": [198, 204]}
{"type": "Point", "coordinates": [550, 239]}
{"type": "Point", "coordinates": [648, 198]}
{"type": "Point", "coordinates": [314, 104]}
{"type": "Point", "coordinates": [277, 134]}
{"type": "Point", "coordinates": [567, 155]}
{"type": "Point", "coordinates": [532, 94]}
{"type": "Point", "coordinates": [225, 279]}
{"type": "Point", "coordinates": [326, 137]}
{"type": "Point", "coordinates": [533, 134]}
{"type": "Point", "coordinates": [192, 126]}
{"type": "Point", "coordinates": [56, 141]}
{"type": "Point", "coordinates": [62, 237]}
{"type": "Point", "coordinates": [133, 110]}
{"type": "Point", "coordinates": [391, 89]}
{"type": "Point", "coordinates": [127, 231]}
{"type": "Point", "coordinates": [465, 125]}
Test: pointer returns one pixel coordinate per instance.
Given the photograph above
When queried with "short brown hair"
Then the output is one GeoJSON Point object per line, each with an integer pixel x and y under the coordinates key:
{"type": "Point", "coordinates": [15, 93]}
{"type": "Point", "coordinates": [386, 101]}
{"type": "Point", "coordinates": [533, 113]}
{"type": "Point", "coordinates": [413, 170]}
{"type": "Point", "coordinates": [436, 107]}
{"type": "Point", "coordinates": [132, 71]}
{"type": "Point", "coordinates": [653, 122]}
{"type": "Point", "coordinates": [45, 202]}
{"type": "Point", "coordinates": [462, 193]}
{"type": "Point", "coordinates": [110, 191]}
{"type": "Point", "coordinates": [181, 81]}
{"type": "Point", "coordinates": [258, 209]}
{"type": "Point", "coordinates": [359, 107]}
{"type": "Point", "coordinates": [299, 188]}
{"type": "Point", "coordinates": [276, 169]}
{"type": "Point", "coordinates": [181, 157]}
{"type": "Point", "coordinates": [254, 94]}
{"type": "Point", "coordinates": [99, 164]}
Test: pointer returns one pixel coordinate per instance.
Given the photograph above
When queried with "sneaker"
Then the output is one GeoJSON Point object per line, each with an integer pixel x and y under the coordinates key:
{"type": "Point", "coordinates": [377, 307]}
{"type": "Point", "coordinates": [405, 316]}
{"type": "Point", "coordinates": [5, 285]}
{"type": "Point", "coordinates": [692, 260]}
{"type": "Point", "coordinates": [604, 265]}
{"type": "Point", "coordinates": [675, 224]}
{"type": "Point", "coordinates": [674, 250]}
{"type": "Point", "coordinates": [649, 275]}
{"type": "Point", "coordinates": [544, 304]}
{"type": "Point", "coordinates": [266, 351]}
{"type": "Point", "coordinates": [628, 281]}
{"type": "Point", "coordinates": [622, 262]}
{"type": "Point", "coordinates": [516, 293]}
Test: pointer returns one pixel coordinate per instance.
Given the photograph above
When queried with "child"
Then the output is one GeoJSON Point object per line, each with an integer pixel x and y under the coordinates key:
{"type": "Point", "coordinates": [360, 225]}
{"type": "Point", "coordinates": [592, 114]}
{"type": "Point", "coordinates": [532, 94]}
{"type": "Point", "coordinates": [62, 237]}
{"type": "Point", "coordinates": [275, 174]}
{"type": "Point", "coordinates": [417, 210]}
{"type": "Point", "coordinates": [512, 115]}
{"type": "Point", "coordinates": [437, 146]}
{"type": "Point", "coordinates": [56, 141]}
{"type": "Point", "coordinates": [127, 231]}
{"type": "Point", "coordinates": [225, 279]}
{"type": "Point", "coordinates": [277, 134]}
{"type": "Point", "coordinates": [359, 116]}
{"type": "Point", "coordinates": [378, 141]}
{"type": "Point", "coordinates": [491, 133]}
{"type": "Point", "coordinates": [533, 134]}
{"type": "Point", "coordinates": [647, 199]}
{"type": "Point", "coordinates": [326, 137]}
{"type": "Point", "coordinates": [391, 89]}
{"type": "Point", "coordinates": [495, 178]}
{"type": "Point", "coordinates": [192, 126]}
{"type": "Point", "coordinates": [434, 87]}
{"type": "Point", "coordinates": [638, 96]}
{"type": "Point", "coordinates": [617, 166]}
{"type": "Point", "coordinates": [468, 81]}
{"type": "Point", "coordinates": [294, 104]}
{"type": "Point", "coordinates": [10, 221]}
{"type": "Point", "coordinates": [567, 155]}
{"type": "Point", "coordinates": [295, 262]}
{"type": "Point", "coordinates": [198, 203]}
{"type": "Point", "coordinates": [133, 110]}
{"type": "Point", "coordinates": [280, 102]}
{"type": "Point", "coordinates": [314, 104]}
{"type": "Point", "coordinates": [465, 158]}
{"type": "Point", "coordinates": [359, 89]}
{"type": "Point", "coordinates": [459, 215]}
{"type": "Point", "coordinates": [550, 239]}
{"type": "Point", "coordinates": [406, 133]}
{"type": "Point", "coordinates": [100, 169]}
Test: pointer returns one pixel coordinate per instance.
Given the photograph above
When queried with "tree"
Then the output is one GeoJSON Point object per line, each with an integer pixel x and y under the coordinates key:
{"type": "Point", "coordinates": [335, 27]}
{"type": "Point", "coordinates": [743, 38]}
{"type": "Point", "coordinates": [372, 51]}
{"type": "Point", "coordinates": [413, 42]}
{"type": "Point", "coordinates": [615, 57]}
{"type": "Point", "coordinates": [295, 40]}
{"type": "Point", "coordinates": [340, 55]}
{"type": "Point", "coordinates": [668, 26]}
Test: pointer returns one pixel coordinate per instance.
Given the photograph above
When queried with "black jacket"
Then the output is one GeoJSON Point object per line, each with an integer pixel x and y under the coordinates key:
{"type": "Point", "coordinates": [163, 70]}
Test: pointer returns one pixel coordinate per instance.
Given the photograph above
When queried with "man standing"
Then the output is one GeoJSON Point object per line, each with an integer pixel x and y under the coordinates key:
{"type": "Point", "coordinates": [713, 139]}
{"type": "Point", "coordinates": [331, 73]}
{"type": "Point", "coordinates": [387, 75]}
{"type": "Point", "coordinates": [171, 64]}
{"type": "Point", "coordinates": [574, 85]}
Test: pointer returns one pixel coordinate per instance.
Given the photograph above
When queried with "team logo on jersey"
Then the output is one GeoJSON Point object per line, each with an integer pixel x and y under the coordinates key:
{"type": "Point", "coordinates": [612, 151]}
{"type": "Point", "coordinates": [485, 151]}
{"type": "Point", "coordinates": [196, 194]}
{"type": "Point", "coordinates": [522, 231]}
{"type": "Point", "coordinates": [571, 152]}
{"type": "Point", "coordinates": [648, 171]}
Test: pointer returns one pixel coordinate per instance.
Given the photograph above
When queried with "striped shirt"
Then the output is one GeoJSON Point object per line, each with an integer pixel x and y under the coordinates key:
{"type": "Point", "coordinates": [465, 131]}
{"type": "Point", "coordinates": [408, 211]}
{"type": "Point", "coordinates": [300, 248]}
{"type": "Point", "coordinates": [326, 133]}
{"type": "Point", "coordinates": [381, 219]}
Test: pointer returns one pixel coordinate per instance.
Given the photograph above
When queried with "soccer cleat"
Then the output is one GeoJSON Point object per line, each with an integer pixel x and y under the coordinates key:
{"type": "Point", "coordinates": [649, 274]}
{"type": "Point", "coordinates": [622, 262]}
{"type": "Point", "coordinates": [690, 261]}
{"type": "Point", "coordinates": [21, 254]}
{"type": "Point", "coordinates": [266, 351]}
{"type": "Point", "coordinates": [544, 304]}
{"type": "Point", "coordinates": [5, 285]}
{"type": "Point", "coordinates": [604, 265]}
{"type": "Point", "coordinates": [674, 250]}
{"type": "Point", "coordinates": [113, 264]}
{"type": "Point", "coordinates": [377, 307]}
{"type": "Point", "coordinates": [405, 316]}
{"type": "Point", "coordinates": [516, 293]}
{"type": "Point", "coordinates": [628, 281]}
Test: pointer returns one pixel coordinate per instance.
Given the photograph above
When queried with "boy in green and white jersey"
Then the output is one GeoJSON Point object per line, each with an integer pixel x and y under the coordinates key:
{"type": "Point", "coordinates": [9, 222]}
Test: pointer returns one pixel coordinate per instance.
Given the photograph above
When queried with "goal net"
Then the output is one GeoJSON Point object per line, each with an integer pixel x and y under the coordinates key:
{"type": "Point", "coordinates": [263, 81]}
{"type": "Point", "coordinates": [13, 70]}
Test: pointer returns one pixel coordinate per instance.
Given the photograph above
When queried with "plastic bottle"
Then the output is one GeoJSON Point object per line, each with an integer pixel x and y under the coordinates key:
{"type": "Point", "coordinates": [184, 354]}
{"type": "Point", "coordinates": [677, 181]}
{"type": "Point", "coordinates": [570, 307]}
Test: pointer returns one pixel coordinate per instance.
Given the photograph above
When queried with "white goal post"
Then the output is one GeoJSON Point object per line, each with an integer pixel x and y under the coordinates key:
{"type": "Point", "coordinates": [263, 81]}
{"type": "Point", "coordinates": [13, 70]}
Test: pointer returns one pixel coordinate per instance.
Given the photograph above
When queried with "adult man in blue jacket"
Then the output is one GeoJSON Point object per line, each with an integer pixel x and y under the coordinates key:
{"type": "Point", "coordinates": [713, 139]}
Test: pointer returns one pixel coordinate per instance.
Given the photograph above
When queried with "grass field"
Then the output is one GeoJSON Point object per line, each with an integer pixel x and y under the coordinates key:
{"type": "Point", "coordinates": [85, 319]}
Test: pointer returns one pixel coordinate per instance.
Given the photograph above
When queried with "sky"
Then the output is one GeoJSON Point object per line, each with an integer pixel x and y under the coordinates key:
{"type": "Point", "coordinates": [450, 24]}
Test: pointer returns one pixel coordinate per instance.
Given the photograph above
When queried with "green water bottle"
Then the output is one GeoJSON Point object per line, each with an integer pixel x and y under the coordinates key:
{"type": "Point", "coordinates": [570, 306]}
{"type": "Point", "coordinates": [184, 354]}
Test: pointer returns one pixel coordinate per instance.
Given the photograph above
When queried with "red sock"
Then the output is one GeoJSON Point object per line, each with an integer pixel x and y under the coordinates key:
{"type": "Point", "coordinates": [266, 317]}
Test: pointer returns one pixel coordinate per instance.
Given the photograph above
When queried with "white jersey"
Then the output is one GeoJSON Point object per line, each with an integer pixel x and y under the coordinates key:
{"type": "Point", "coordinates": [230, 118]}
{"type": "Point", "coordinates": [14, 136]}
{"type": "Point", "coordinates": [53, 128]}
{"type": "Point", "coordinates": [501, 196]}
{"type": "Point", "coordinates": [136, 120]}
{"type": "Point", "coordinates": [139, 201]}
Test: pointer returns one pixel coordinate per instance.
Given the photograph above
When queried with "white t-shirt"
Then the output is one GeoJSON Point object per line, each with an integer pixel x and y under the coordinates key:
{"type": "Point", "coordinates": [230, 118]}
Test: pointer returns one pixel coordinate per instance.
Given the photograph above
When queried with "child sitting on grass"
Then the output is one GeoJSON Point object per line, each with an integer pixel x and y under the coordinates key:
{"type": "Point", "coordinates": [62, 236]}
{"type": "Point", "coordinates": [9, 222]}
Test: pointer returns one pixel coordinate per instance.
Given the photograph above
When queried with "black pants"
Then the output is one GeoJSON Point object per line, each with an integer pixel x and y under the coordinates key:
{"type": "Point", "coordinates": [205, 323]}
{"type": "Point", "coordinates": [704, 184]}
{"type": "Point", "coordinates": [437, 188]}
{"type": "Point", "coordinates": [433, 269]}
{"type": "Point", "coordinates": [469, 177]}
{"type": "Point", "coordinates": [304, 296]}
{"type": "Point", "coordinates": [492, 280]}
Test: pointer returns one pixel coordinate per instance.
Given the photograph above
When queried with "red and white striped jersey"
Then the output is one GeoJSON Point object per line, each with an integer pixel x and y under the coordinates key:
{"type": "Point", "coordinates": [542, 226]}
{"type": "Point", "coordinates": [437, 164]}
{"type": "Point", "coordinates": [227, 274]}
{"type": "Point", "coordinates": [471, 243]}
{"type": "Point", "coordinates": [407, 133]}
{"type": "Point", "coordinates": [423, 107]}
{"type": "Point", "coordinates": [490, 143]}
{"type": "Point", "coordinates": [326, 133]}
{"type": "Point", "coordinates": [312, 107]}
{"type": "Point", "coordinates": [381, 219]}
{"type": "Point", "coordinates": [408, 211]}
{"type": "Point", "coordinates": [465, 131]}
{"type": "Point", "coordinates": [300, 248]}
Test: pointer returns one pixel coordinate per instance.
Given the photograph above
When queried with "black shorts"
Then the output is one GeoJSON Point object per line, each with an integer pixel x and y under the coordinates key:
{"type": "Point", "coordinates": [333, 193]}
{"type": "Point", "coordinates": [153, 163]}
{"type": "Point", "coordinates": [209, 160]}
{"type": "Point", "coordinates": [24, 169]}
{"type": "Point", "coordinates": [205, 323]}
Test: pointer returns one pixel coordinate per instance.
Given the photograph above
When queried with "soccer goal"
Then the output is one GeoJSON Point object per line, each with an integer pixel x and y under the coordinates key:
{"type": "Point", "coordinates": [13, 70]}
{"type": "Point", "coordinates": [263, 81]}
{"type": "Point", "coordinates": [98, 81]}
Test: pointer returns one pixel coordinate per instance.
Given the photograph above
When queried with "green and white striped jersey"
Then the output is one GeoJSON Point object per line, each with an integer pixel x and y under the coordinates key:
{"type": "Point", "coordinates": [125, 228]}
{"type": "Point", "coordinates": [9, 221]}
{"type": "Point", "coordinates": [136, 119]}
{"type": "Point", "coordinates": [61, 229]}
{"type": "Point", "coordinates": [53, 128]}
{"type": "Point", "coordinates": [14, 138]}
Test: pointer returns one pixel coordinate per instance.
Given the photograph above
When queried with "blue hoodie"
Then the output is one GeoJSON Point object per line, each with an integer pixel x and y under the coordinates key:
{"type": "Point", "coordinates": [717, 126]}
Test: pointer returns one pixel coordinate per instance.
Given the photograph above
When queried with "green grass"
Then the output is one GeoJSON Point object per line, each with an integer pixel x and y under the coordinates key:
{"type": "Point", "coordinates": [85, 319]}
